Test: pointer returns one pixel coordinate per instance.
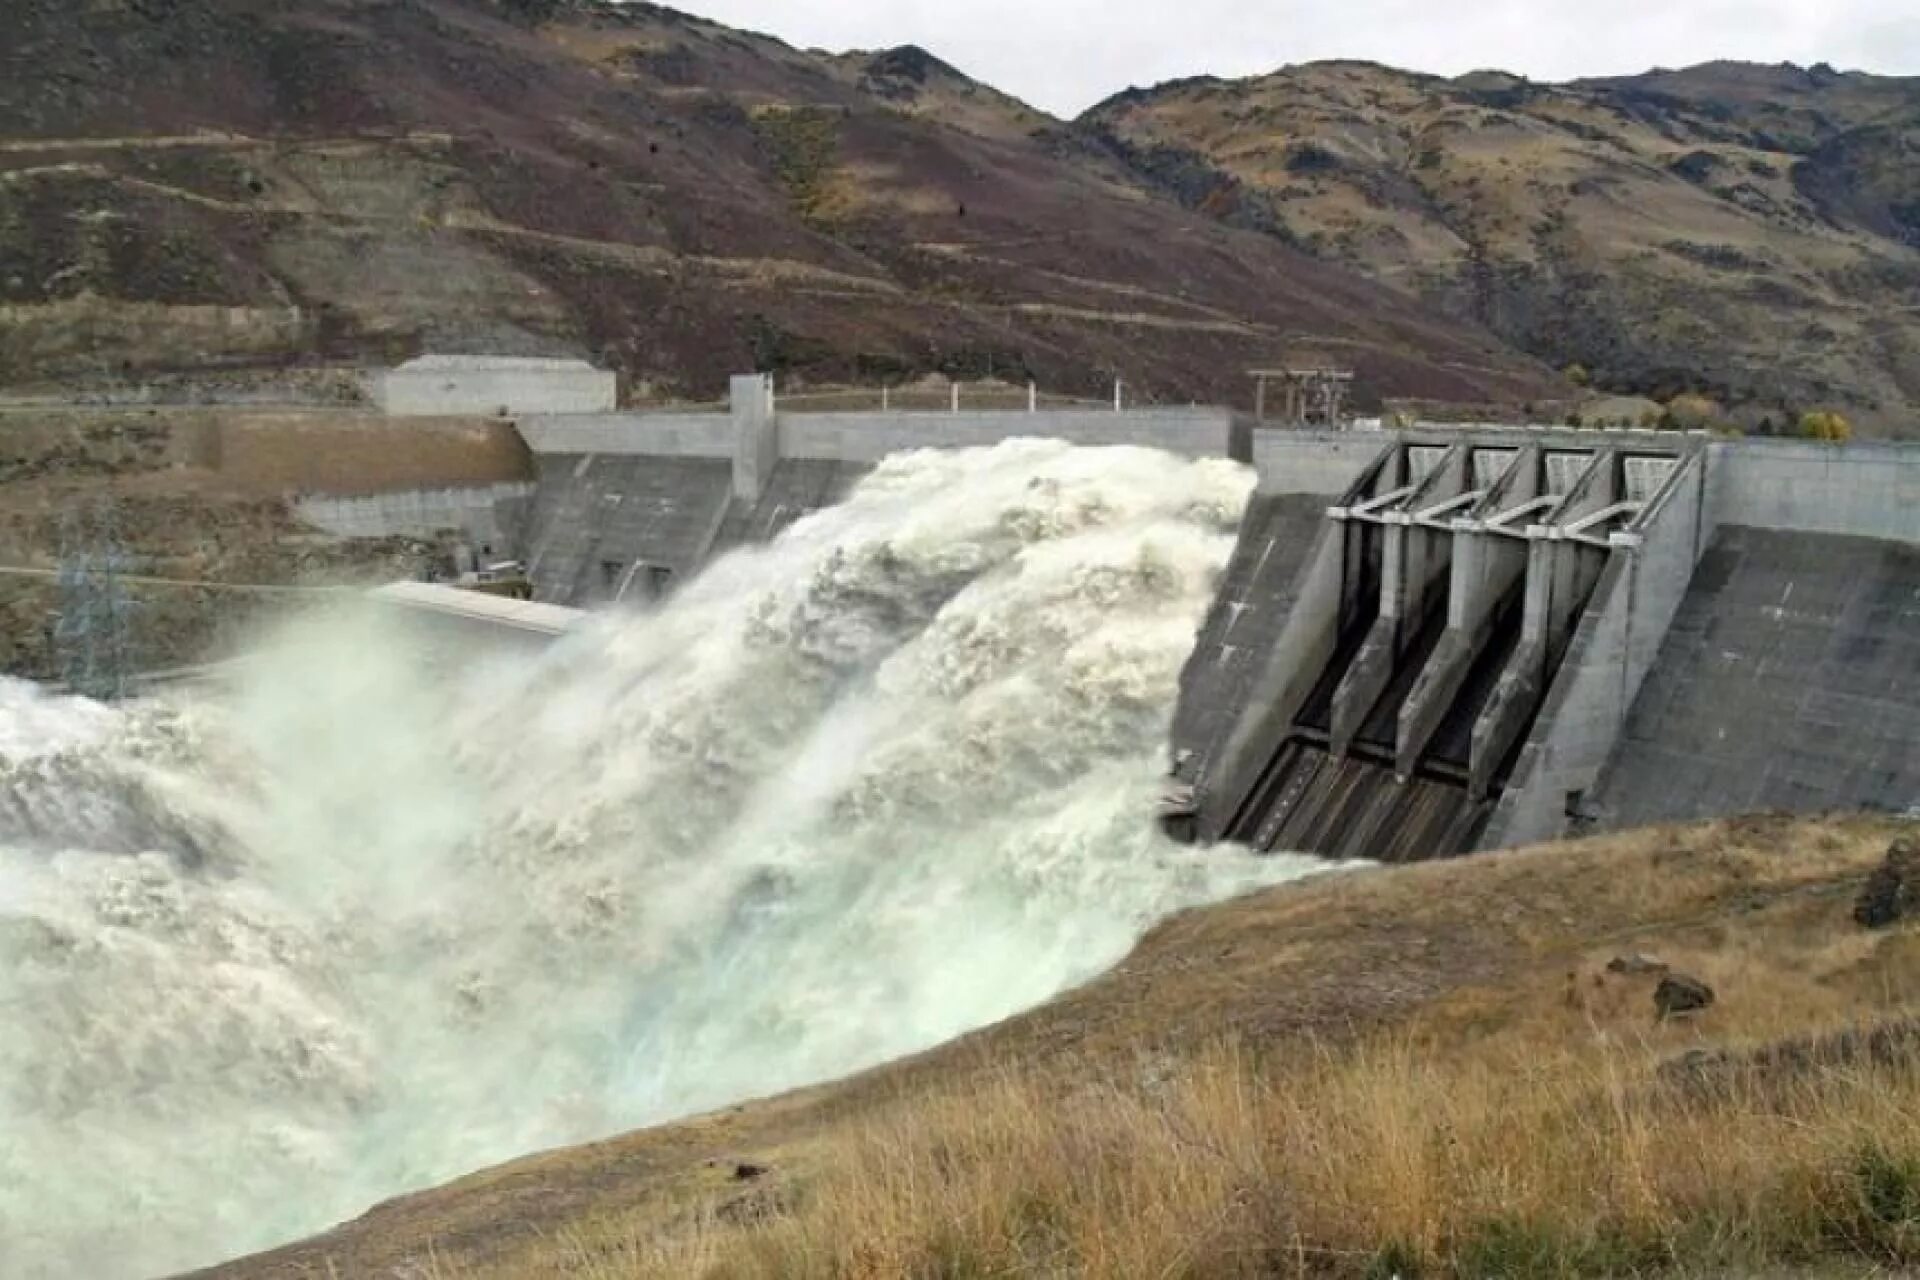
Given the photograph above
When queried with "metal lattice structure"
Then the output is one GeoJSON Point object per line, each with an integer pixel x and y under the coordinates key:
{"type": "Point", "coordinates": [93, 633]}
{"type": "Point", "coordinates": [1314, 395]}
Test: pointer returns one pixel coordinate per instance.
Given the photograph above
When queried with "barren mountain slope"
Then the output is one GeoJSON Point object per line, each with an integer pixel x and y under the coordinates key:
{"type": "Point", "coordinates": [1749, 231]}
{"type": "Point", "coordinates": [236, 181]}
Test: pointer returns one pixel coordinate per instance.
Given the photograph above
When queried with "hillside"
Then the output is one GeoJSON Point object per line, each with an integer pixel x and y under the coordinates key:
{"type": "Point", "coordinates": [1748, 231]}
{"type": "Point", "coordinates": [238, 183]}
{"type": "Point", "coordinates": [1444, 1069]}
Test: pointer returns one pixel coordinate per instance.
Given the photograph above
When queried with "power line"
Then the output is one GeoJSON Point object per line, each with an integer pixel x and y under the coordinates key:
{"type": "Point", "coordinates": [196, 584]}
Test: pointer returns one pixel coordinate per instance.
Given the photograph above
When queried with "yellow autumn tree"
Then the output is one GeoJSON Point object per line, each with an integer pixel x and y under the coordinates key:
{"type": "Point", "coordinates": [1690, 412]}
{"type": "Point", "coordinates": [1824, 424]}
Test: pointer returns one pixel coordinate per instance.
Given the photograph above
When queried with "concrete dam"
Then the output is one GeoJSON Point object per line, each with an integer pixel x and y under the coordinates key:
{"type": "Point", "coordinates": [831, 789]}
{"type": "Point", "coordinates": [1427, 642]}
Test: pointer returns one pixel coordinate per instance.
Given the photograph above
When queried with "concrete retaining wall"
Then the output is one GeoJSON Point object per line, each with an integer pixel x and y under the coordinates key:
{"type": "Point", "coordinates": [1585, 713]}
{"type": "Point", "coordinates": [1787, 682]}
{"type": "Point", "coordinates": [603, 525]}
{"type": "Point", "coordinates": [498, 385]}
{"type": "Point", "coordinates": [490, 517]}
{"type": "Point", "coordinates": [1856, 490]}
{"type": "Point", "coordinates": [869, 437]}
{"type": "Point", "coordinates": [1313, 462]}
{"type": "Point", "coordinates": [1256, 597]}
{"type": "Point", "coordinates": [630, 435]}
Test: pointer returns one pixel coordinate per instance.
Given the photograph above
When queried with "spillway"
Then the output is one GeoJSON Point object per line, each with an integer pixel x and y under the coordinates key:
{"type": "Point", "coordinates": [270, 955]}
{"type": "Point", "coordinates": [1422, 634]}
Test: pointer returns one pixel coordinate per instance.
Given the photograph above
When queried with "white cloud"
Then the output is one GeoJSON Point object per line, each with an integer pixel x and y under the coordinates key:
{"type": "Point", "coordinates": [1064, 55]}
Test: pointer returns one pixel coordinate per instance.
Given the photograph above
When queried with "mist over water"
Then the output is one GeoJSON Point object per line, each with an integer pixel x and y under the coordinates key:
{"type": "Point", "coordinates": [269, 956]}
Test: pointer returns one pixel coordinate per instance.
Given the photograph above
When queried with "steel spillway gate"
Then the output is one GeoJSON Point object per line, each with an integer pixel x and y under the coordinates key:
{"type": "Point", "coordinates": [1427, 627]}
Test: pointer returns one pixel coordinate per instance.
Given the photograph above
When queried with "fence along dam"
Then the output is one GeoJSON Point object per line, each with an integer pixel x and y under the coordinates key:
{"type": "Point", "coordinates": [1427, 641]}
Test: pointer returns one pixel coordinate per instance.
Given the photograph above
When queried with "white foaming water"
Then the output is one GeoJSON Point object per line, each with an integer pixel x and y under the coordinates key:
{"type": "Point", "coordinates": [266, 959]}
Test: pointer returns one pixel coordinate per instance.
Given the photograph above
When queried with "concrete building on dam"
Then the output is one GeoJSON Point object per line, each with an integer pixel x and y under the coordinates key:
{"type": "Point", "coordinates": [1428, 641]}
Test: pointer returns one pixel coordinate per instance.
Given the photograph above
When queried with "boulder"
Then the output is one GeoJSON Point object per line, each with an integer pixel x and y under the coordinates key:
{"type": "Point", "coordinates": [1892, 893]}
{"type": "Point", "coordinates": [1636, 965]}
{"type": "Point", "coordinates": [1679, 995]}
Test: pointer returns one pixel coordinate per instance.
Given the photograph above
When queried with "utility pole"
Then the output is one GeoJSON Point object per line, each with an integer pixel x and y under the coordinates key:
{"type": "Point", "coordinates": [92, 634]}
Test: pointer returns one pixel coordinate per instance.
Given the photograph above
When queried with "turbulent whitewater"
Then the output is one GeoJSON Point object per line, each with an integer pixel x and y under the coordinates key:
{"type": "Point", "coordinates": [270, 955]}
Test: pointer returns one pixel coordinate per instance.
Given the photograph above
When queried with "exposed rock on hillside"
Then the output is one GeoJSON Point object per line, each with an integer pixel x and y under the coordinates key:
{"type": "Point", "coordinates": [237, 182]}
{"type": "Point", "coordinates": [1751, 232]}
{"type": "Point", "coordinates": [1892, 893]}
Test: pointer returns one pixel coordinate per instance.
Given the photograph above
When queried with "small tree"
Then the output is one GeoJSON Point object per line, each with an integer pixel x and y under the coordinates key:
{"type": "Point", "coordinates": [1824, 424]}
{"type": "Point", "coordinates": [1690, 412]}
{"type": "Point", "coordinates": [1577, 374]}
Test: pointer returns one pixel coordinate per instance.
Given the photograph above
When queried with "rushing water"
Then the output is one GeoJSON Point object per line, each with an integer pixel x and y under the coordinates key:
{"type": "Point", "coordinates": [267, 957]}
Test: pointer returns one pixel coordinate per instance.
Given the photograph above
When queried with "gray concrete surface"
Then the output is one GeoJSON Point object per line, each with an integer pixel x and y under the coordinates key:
{"type": "Point", "coordinates": [493, 516]}
{"type": "Point", "coordinates": [1577, 594]}
{"type": "Point", "coordinates": [797, 488]}
{"type": "Point", "coordinates": [1789, 680]}
{"type": "Point", "coordinates": [1614, 648]}
{"type": "Point", "coordinates": [1235, 643]}
{"type": "Point", "coordinates": [756, 446]}
{"type": "Point", "coordinates": [869, 437]}
{"type": "Point", "coordinates": [1859, 490]}
{"type": "Point", "coordinates": [622, 527]}
{"type": "Point", "coordinates": [1312, 462]}
{"type": "Point", "coordinates": [1555, 588]}
{"type": "Point", "coordinates": [627, 435]}
{"type": "Point", "coordinates": [443, 384]}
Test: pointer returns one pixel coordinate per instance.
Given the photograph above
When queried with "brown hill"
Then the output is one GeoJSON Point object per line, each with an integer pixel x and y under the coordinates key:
{"type": "Point", "coordinates": [1749, 231]}
{"type": "Point", "coordinates": [240, 182]}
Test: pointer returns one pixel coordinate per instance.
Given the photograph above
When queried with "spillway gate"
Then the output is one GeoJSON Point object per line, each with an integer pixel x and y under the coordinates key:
{"type": "Point", "coordinates": [1426, 627]}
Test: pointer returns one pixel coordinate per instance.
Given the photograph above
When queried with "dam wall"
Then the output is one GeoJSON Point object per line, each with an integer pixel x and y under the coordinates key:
{"type": "Point", "coordinates": [1459, 646]}
{"type": "Point", "coordinates": [432, 385]}
{"type": "Point", "coordinates": [1736, 627]}
{"type": "Point", "coordinates": [620, 526]}
{"type": "Point", "coordinates": [1789, 680]}
{"type": "Point", "coordinates": [626, 504]}
{"type": "Point", "coordinates": [1313, 462]}
{"type": "Point", "coordinates": [869, 437]}
{"type": "Point", "coordinates": [1427, 641]}
{"type": "Point", "coordinates": [1863, 490]}
{"type": "Point", "coordinates": [1256, 596]}
{"type": "Point", "coordinates": [632, 435]}
{"type": "Point", "coordinates": [1614, 648]}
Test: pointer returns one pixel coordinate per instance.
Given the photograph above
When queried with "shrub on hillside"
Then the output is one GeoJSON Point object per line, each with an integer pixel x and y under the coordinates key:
{"type": "Point", "coordinates": [1691, 412]}
{"type": "Point", "coordinates": [1823, 424]}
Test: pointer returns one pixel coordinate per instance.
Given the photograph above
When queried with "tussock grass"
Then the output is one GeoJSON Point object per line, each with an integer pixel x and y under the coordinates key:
{"type": "Point", "coordinates": [1416, 1071]}
{"type": "Point", "coordinates": [1389, 1159]}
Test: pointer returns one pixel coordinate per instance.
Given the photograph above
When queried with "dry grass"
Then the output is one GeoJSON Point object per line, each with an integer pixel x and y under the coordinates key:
{"type": "Point", "coordinates": [1545, 1126]}
{"type": "Point", "coordinates": [1396, 1158]}
{"type": "Point", "coordinates": [1419, 1070]}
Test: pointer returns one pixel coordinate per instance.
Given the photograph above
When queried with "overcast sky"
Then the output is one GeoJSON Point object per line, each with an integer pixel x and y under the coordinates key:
{"type": "Point", "coordinates": [1064, 55]}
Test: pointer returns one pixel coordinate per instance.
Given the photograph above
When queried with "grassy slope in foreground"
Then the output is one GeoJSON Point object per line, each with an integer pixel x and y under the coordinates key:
{"type": "Point", "coordinates": [1422, 1070]}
